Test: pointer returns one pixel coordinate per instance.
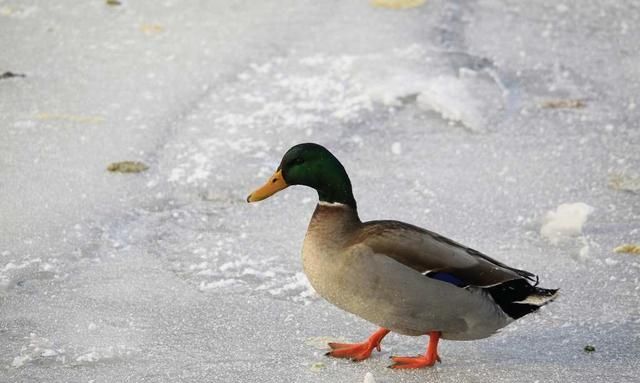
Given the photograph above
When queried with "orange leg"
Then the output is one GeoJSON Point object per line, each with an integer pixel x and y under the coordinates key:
{"type": "Point", "coordinates": [427, 360]}
{"type": "Point", "coordinates": [358, 351]}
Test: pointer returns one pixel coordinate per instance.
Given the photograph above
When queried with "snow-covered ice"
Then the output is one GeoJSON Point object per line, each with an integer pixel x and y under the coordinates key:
{"type": "Point", "coordinates": [470, 118]}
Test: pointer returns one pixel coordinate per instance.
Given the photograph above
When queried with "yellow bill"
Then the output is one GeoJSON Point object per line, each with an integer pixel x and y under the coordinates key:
{"type": "Point", "coordinates": [272, 186]}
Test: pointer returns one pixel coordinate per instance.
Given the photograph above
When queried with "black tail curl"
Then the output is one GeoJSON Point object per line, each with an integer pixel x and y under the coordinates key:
{"type": "Point", "coordinates": [518, 297]}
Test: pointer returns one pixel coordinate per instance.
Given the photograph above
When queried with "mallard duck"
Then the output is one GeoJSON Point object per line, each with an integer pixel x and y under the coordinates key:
{"type": "Point", "coordinates": [397, 276]}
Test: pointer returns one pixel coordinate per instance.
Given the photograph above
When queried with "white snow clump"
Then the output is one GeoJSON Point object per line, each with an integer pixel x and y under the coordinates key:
{"type": "Point", "coordinates": [565, 222]}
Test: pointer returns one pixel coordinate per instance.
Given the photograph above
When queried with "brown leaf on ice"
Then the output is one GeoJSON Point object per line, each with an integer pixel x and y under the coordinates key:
{"type": "Point", "coordinates": [563, 104]}
{"type": "Point", "coordinates": [628, 248]}
{"type": "Point", "coordinates": [397, 4]}
{"type": "Point", "coordinates": [624, 182]}
{"type": "Point", "coordinates": [127, 167]}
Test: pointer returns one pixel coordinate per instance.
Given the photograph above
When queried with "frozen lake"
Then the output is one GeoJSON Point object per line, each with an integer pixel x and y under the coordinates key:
{"type": "Point", "coordinates": [474, 119]}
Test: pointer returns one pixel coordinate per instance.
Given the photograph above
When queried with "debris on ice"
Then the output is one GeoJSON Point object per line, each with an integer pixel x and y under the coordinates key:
{"type": "Point", "coordinates": [396, 148]}
{"type": "Point", "coordinates": [368, 378]}
{"type": "Point", "coordinates": [628, 248]}
{"type": "Point", "coordinates": [624, 182]}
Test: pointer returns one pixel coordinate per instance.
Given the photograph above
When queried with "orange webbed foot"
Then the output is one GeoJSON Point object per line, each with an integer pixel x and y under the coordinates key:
{"type": "Point", "coordinates": [406, 362]}
{"type": "Point", "coordinates": [354, 351]}
{"type": "Point", "coordinates": [427, 360]}
{"type": "Point", "coordinates": [357, 351]}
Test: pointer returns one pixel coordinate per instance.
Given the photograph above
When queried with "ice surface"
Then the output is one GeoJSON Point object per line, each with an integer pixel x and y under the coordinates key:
{"type": "Point", "coordinates": [441, 113]}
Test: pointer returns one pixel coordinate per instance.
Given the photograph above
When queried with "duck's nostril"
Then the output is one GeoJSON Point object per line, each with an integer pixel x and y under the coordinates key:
{"type": "Point", "coordinates": [274, 180]}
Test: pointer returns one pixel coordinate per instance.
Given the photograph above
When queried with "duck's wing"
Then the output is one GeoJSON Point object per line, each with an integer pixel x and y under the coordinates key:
{"type": "Point", "coordinates": [432, 254]}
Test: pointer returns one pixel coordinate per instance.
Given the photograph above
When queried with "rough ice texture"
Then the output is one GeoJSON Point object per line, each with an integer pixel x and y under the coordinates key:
{"type": "Point", "coordinates": [168, 275]}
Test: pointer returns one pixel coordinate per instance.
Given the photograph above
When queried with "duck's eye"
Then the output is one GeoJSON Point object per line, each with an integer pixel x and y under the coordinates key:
{"type": "Point", "coordinates": [298, 161]}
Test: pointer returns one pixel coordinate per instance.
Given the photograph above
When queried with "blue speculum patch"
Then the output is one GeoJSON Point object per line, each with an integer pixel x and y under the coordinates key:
{"type": "Point", "coordinates": [446, 277]}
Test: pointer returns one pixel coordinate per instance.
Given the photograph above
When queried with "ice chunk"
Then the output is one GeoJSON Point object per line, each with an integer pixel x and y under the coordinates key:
{"type": "Point", "coordinates": [448, 95]}
{"type": "Point", "coordinates": [611, 261]}
{"type": "Point", "coordinates": [368, 378]}
{"type": "Point", "coordinates": [19, 361]}
{"type": "Point", "coordinates": [396, 148]}
{"type": "Point", "coordinates": [584, 251]}
{"type": "Point", "coordinates": [565, 222]}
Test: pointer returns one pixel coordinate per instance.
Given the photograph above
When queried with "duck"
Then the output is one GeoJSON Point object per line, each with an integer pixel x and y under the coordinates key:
{"type": "Point", "coordinates": [397, 276]}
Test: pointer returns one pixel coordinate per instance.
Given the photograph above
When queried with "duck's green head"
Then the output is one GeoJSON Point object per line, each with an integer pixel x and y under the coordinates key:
{"type": "Point", "coordinates": [310, 165]}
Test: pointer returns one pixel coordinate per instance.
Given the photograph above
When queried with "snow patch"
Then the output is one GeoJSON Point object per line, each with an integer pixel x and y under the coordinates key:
{"type": "Point", "coordinates": [565, 222]}
{"type": "Point", "coordinates": [12, 271]}
{"type": "Point", "coordinates": [584, 250]}
{"type": "Point", "coordinates": [219, 284]}
{"type": "Point", "coordinates": [20, 361]}
{"type": "Point", "coordinates": [38, 348]}
{"type": "Point", "coordinates": [43, 350]}
{"type": "Point", "coordinates": [450, 97]}
{"type": "Point", "coordinates": [368, 378]}
{"type": "Point", "coordinates": [396, 148]}
{"type": "Point", "coordinates": [322, 90]}
{"type": "Point", "coordinates": [198, 163]}
{"type": "Point", "coordinates": [96, 354]}
{"type": "Point", "coordinates": [611, 261]}
{"type": "Point", "coordinates": [297, 288]}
